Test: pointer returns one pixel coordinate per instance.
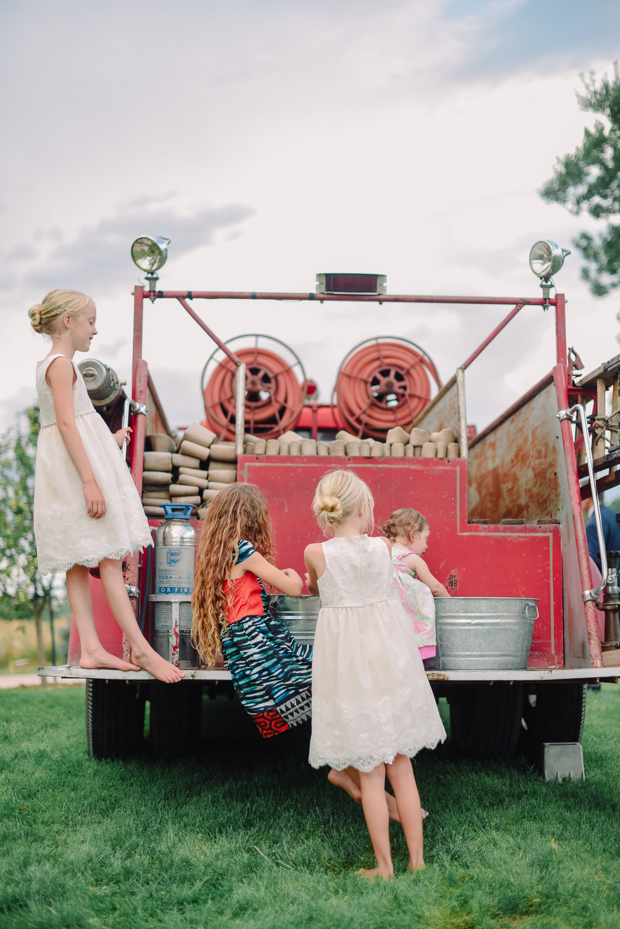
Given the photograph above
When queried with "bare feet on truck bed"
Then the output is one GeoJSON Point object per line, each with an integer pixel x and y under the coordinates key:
{"type": "Point", "coordinates": [150, 661]}
{"type": "Point", "coordinates": [106, 662]}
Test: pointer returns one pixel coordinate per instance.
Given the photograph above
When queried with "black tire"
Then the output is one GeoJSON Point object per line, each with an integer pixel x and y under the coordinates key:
{"type": "Point", "coordinates": [557, 715]}
{"type": "Point", "coordinates": [175, 719]}
{"type": "Point", "coordinates": [485, 720]}
{"type": "Point", "coordinates": [114, 718]}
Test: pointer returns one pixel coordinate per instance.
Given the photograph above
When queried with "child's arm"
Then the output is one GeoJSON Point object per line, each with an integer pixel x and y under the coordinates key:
{"type": "Point", "coordinates": [315, 563]}
{"type": "Point", "coordinates": [60, 378]}
{"type": "Point", "coordinates": [288, 580]}
{"type": "Point", "coordinates": [420, 567]}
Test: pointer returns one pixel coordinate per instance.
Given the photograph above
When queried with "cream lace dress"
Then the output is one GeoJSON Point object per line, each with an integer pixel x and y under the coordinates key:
{"type": "Point", "coordinates": [371, 699]}
{"type": "Point", "coordinates": [65, 534]}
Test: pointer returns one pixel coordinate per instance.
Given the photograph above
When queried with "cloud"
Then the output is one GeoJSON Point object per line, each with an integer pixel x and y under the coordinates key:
{"type": "Point", "coordinates": [96, 257]}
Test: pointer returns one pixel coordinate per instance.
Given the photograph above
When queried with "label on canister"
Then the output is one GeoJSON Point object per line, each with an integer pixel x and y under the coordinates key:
{"type": "Point", "coordinates": [174, 570]}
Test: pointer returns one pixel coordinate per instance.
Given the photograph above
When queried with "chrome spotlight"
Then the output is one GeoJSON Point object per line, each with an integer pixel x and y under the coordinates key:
{"type": "Point", "coordinates": [546, 259]}
{"type": "Point", "coordinates": [149, 253]}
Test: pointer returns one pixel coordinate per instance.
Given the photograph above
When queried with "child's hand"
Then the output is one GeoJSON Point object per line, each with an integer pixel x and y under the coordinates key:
{"type": "Point", "coordinates": [95, 504]}
{"type": "Point", "coordinates": [307, 580]}
{"type": "Point", "coordinates": [120, 436]}
{"type": "Point", "coordinates": [290, 572]}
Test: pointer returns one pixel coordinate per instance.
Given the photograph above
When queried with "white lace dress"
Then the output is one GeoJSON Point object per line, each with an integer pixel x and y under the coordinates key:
{"type": "Point", "coordinates": [65, 534]}
{"type": "Point", "coordinates": [371, 699]}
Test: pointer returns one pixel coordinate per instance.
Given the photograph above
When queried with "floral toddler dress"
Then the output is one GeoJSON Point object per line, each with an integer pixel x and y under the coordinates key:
{"type": "Point", "coordinates": [417, 600]}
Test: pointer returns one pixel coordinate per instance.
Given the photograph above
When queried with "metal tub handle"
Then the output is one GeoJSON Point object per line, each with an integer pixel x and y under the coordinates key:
{"type": "Point", "coordinates": [531, 606]}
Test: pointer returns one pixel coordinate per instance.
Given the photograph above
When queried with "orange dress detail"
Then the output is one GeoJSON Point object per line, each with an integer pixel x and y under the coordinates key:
{"type": "Point", "coordinates": [247, 600]}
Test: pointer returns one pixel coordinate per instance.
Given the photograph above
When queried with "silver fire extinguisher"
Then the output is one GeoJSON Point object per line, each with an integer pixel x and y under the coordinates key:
{"type": "Point", "coordinates": [175, 540]}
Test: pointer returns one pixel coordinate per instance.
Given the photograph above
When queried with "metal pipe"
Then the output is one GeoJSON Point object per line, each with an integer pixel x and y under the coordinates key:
{"type": "Point", "coordinates": [460, 393]}
{"type": "Point", "coordinates": [182, 295]}
{"type": "Point", "coordinates": [570, 414]}
{"type": "Point", "coordinates": [240, 407]}
{"type": "Point", "coordinates": [560, 327]}
{"type": "Point", "coordinates": [490, 337]}
{"type": "Point", "coordinates": [209, 332]}
{"type": "Point", "coordinates": [125, 423]}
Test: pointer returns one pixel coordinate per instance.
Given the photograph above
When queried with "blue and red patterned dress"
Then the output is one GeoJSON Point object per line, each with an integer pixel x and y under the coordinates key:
{"type": "Point", "coordinates": [271, 673]}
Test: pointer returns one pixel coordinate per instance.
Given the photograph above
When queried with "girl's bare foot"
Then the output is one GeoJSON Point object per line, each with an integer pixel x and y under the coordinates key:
{"type": "Point", "coordinates": [371, 873]}
{"type": "Point", "coordinates": [150, 661]}
{"type": "Point", "coordinates": [417, 865]}
{"type": "Point", "coordinates": [105, 661]}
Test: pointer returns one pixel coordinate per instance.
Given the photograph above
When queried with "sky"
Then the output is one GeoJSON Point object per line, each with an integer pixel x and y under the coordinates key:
{"type": "Point", "coordinates": [272, 140]}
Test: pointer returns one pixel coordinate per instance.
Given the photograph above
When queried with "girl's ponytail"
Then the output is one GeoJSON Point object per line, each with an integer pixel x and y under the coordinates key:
{"type": "Point", "coordinates": [341, 494]}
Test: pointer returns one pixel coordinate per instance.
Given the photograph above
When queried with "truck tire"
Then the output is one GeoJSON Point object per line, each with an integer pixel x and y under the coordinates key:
{"type": "Point", "coordinates": [485, 720]}
{"type": "Point", "coordinates": [175, 719]}
{"type": "Point", "coordinates": [556, 715]}
{"type": "Point", "coordinates": [114, 718]}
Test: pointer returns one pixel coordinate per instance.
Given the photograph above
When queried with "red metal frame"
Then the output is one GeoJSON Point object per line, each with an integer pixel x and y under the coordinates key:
{"type": "Point", "coordinates": [549, 653]}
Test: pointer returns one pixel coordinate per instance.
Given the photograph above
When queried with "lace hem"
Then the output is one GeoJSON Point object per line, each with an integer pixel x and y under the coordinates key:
{"type": "Point", "coordinates": [67, 536]}
{"type": "Point", "coordinates": [370, 732]}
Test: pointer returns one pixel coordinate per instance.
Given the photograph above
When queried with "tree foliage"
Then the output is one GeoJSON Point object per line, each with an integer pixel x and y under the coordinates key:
{"type": "Point", "coordinates": [22, 588]}
{"type": "Point", "coordinates": [589, 179]}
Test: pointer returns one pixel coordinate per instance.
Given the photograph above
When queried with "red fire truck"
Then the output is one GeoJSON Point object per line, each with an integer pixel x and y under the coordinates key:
{"type": "Point", "coordinates": [506, 514]}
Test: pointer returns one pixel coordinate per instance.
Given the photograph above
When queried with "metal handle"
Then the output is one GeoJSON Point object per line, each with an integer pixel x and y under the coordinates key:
{"type": "Point", "coordinates": [606, 577]}
{"type": "Point", "coordinates": [534, 607]}
{"type": "Point", "coordinates": [130, 405]}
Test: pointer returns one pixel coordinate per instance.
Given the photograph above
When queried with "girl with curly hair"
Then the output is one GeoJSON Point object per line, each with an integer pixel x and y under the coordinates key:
{"type": "Point", "coordinates": [271, 673]}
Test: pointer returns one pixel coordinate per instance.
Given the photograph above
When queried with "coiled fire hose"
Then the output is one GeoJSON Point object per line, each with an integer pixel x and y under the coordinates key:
{"type": "Point", "coordinates": [273, 396]}
{"type": "Point", "coordinates": [383, 383]}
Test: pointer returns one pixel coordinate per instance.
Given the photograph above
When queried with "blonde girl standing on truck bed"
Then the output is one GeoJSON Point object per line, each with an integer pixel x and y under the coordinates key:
{"type": "Point", "coordinates": [87, 512]}
{"type": "Point", "coordinates": [372, 706]}
{"type": "Point", "coordinates": [408, 531]}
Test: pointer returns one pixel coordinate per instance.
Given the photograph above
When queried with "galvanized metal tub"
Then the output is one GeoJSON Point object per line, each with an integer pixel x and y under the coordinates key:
{"type": "Point", "coordinates": [298, 615]}
{"type": "Point", "coordinates": [483, 633]}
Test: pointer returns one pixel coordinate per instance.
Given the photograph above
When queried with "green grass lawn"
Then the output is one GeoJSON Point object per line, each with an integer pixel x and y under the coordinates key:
{"type": "Point", "coordinates": [247, 834]}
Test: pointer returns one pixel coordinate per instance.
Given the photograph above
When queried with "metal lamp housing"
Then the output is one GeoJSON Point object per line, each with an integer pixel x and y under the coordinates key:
{"type": "Point", "coordinates": [150, 252]}
{"type": "Point", "coordinates": [547, 258]}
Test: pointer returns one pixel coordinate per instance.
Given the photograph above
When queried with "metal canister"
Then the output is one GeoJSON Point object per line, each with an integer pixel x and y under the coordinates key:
{"type": "Point", "coordinates": [175, 541]}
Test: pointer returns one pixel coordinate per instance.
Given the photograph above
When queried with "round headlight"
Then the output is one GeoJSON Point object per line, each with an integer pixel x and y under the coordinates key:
{"type": "Point", "coordinates": [149, 252]}
{"type": "Point", "coordinates": [546, 258]}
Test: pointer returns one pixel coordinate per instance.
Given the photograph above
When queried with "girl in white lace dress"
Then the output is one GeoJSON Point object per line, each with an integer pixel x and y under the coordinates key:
{"type": "Point", "coordinates": [87, 511]}
{"type": "Point", "coordinates": [372, 705]}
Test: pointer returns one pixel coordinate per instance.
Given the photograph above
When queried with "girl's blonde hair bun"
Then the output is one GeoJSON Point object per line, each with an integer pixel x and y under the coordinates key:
{"type": "Point", "coordinates": [339, 495]}
{"type": "Point", "coordinates": [57, 303]}
{"type": "Point", "coordinates": [35, 317]}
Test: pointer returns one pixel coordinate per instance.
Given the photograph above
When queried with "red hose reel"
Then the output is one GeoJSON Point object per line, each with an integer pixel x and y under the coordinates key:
{"type": "Point", "coordinates": [274, 395]}
{"type": "Point", "coordinates": [382, 383]}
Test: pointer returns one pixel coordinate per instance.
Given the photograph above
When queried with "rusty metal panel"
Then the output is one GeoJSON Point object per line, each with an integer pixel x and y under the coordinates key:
{"type": "Point", "coordinates": [513, 470]}
{"type": "Point", "coordinates": [517, 471]}
{"type": "Point", "coordinates": [443, 410]}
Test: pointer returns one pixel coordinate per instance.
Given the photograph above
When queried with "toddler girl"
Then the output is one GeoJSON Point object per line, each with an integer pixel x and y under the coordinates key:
{"type": "Point", "coordinates": [87, 511]}
{"type": "Point", "coordinates": [271, 673]}
{"type": "Point", "coordinates": [372, 708]}
{"type": "Point", "coordinates": [408, 531]}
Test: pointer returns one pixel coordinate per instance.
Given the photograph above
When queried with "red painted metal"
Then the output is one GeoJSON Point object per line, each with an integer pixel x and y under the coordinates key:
{"type": "Point", "coordinates": [344, 298]}
{"type": "Point", "coordinates": [560, 328]}
{"type": "Point", "coordinates": [561, 386]}
{"type": "Point", "coordinates": [493, 561]}
{"type": "Point", "coordinates": [209, 332]}
{"type": "Point", "coordinates": [495, 332]}
{"type": "Point", "coordinates": [319, 417]}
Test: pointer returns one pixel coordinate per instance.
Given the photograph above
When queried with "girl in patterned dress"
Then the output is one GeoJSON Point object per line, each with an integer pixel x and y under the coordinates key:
{"type": "Point", "coordinates": [271, 673]}
{"type": "Point", "coordinates": [408, 531]}
{"type": "Point", "coordinates": [372, 705]}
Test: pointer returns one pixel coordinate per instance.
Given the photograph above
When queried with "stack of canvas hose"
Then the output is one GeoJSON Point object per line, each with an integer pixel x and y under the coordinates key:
{"type": "Point", "coordinates": [419, 443]}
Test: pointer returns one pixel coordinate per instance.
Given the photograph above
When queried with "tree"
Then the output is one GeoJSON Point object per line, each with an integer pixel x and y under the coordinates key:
{"type": "Point", "coordinates": [22, 587]}
{"type": "Point", "coordinates": [590, 179]}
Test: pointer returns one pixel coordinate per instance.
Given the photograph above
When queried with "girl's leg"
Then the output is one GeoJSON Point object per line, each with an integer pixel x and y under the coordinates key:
{"type": "Point", "coordinates": [93, 654]}
{"type": "Point", "coordinates": [400, 776]}
{"type": "Point", "coordinates": [376, 813]}
{"type": "Point", "coordinates": [114, 588]}
{"type": "Point", "coordinates": [349, 780]}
